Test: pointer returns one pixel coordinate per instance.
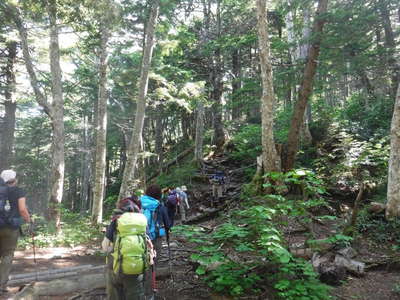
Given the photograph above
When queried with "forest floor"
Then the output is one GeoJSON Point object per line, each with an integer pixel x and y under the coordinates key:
{"type": "Point", "coordinates": [381, 283]}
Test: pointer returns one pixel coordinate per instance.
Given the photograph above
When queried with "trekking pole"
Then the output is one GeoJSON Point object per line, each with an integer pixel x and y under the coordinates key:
{"type": "Point", "coordinates": [169, 257]}
{"type": "Point", "coordinates": [32, 232]}
{"type": "Point", "coordinates": [153, 279]}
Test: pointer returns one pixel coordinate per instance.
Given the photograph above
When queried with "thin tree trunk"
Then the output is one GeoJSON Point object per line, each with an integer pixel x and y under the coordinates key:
{"type": "Point", "coordinates": [198, 150]}
{"type": "Point", "coordinates": [128, 181]}
{"type": "Point", "coordinates": [159, 138]}
{"type": "Point", "coordinates": [57, 118]}
{"type": "Point", "coordinates": [101, 128]}
{"type": "Point", "coordinates": [271, 160]}
{"type": "Point", "coordinates": [218, 85]}
{"type": "Point", "coordinates": [86, 166]}
{"type": "Point", "coordinates": [306, 87]}
{"type": "Point", "coordinates": [393, 190]}
{"type": "Point", "coordinates": [236, 83]}
{"type": "Point", "coordinates": [10, 107]}
{"type": "Point", "coordinates": [390, 43]}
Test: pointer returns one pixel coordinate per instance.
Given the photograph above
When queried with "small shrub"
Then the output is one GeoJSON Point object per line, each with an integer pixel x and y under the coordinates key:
{"type": "Point", "coordinates": [247, 144]}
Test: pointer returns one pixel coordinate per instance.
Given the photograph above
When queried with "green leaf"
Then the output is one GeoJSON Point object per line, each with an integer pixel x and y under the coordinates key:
{"type": "Point", "coordinates": [201, 270]}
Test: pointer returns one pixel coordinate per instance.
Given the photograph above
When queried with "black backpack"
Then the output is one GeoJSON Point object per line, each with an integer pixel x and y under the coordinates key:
{"type": "Point", "coordinates": [5, 209]}
{"type": "Point", "coordinates": [7, 215]}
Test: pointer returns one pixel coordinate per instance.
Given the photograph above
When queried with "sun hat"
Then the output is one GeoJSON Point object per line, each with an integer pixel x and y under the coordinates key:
{"type": "Point", "coordinates": [8, 175]}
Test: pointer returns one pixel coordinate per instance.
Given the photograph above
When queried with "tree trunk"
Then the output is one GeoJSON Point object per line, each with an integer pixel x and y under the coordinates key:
{"type": "Point", "coordinates": [198, 150]}
{"type": "Point", "coordinates": [218, 85]}
{"type": "Point", "coordinates": [86, 164]}
{"type": "Point", "coordinates": [128, 181]}
{"type": "Point", "coordinates": [101, 128]}
{"type": "Point", "coordinates": [271, 160]}
{"type": "Point", "coordinates": [159, 138]}
{"type": "Point", "coordinates": [57, 118]}
{"type": "Point", "coordinates": [390, 43]}
{"type": "Point", "coordinates": [236, 84]}
{"type": "Point", "coordinates": [10, 107]}
{"type": "Point", "coordinates": [306, 87]}
{"type": "Point", "coordinates": [393, 191]}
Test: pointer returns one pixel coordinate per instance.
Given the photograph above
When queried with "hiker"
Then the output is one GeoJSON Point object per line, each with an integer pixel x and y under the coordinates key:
{"type": "Point", "coordinates": [13, 211]}
{"type": "Point", "coordinates": [129, 251]}
{"type": "Point", "coordinates": [182, 202]}
{"type": "Point", "coordinates": [172, 203]}
{"type": "Point", "coordinates": [158, 224]}
{"type": "Point", "coordinates": [164, 195]}
{"type": "Point", "coordinates": [218, 184]}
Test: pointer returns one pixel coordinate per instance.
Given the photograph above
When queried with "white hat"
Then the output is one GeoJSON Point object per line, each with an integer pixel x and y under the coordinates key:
{"type": "Point", "coordinates": [178, 189]}
{"type": "Point", "coordinates": [8, 175]}
{"type": "Point", "coordinates": [184, 188]}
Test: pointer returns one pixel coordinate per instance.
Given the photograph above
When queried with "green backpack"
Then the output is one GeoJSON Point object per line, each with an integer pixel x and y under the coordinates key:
{"type": "Point", "coordinates": [130, 249]}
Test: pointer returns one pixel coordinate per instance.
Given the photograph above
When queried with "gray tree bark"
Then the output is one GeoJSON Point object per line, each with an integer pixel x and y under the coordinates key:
{"type": "Point", "coordinates": [86, 169]}
{"type": "Point", "coordinates": [57, 120]}
{"type": "Point", "coordinates": [10, 107]}
{"type": "Point", "coordinates": [101, 126]}
{"type": "Point", "coordinates": [271, 160]}
{"type": "Point", "coordinates": [393, 190]}
{"type": "Point", "coordinates": [198, 150]}
{"type": "Point", "coordinates": [159, 137]}
{"type": "Point", "coordinates": [218, 85]}
{"type": "Point", "coordinates": [128, 180]}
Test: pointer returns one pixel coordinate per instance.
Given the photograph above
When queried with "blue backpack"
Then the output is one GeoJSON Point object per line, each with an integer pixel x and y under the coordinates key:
{"type": "Point", "coordinates": [157, 221]}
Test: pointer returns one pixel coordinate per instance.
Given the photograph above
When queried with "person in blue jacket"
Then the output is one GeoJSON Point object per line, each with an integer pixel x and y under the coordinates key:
{"type": "Point", "coordinates": [158, 225]}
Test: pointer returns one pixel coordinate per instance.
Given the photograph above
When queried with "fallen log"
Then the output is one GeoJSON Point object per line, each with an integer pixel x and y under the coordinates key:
{"type": "Point", "coordinates": [49, 272]}
{"type": "Point", "coordinates": [376, 207]}
{"type": "Point", "coordinates": [25, 280]}
{"type": "Point", "coordinates": [20, 279]}
{"type": "Point", "coordinates": [61, 286]}
{"type": "Point", "coordinates": [305, 253]}
{"type": "Point", "coordinates": [206, 215]}
{"type": "Point", "coordinates": [351, 265]}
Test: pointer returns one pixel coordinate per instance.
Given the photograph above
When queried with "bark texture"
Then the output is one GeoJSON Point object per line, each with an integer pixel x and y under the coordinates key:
{"type": "Point", "coordinates": [57, 120]}
{"type": "Point", "coordinates": [198, 149]}
{"type": "Point", "coordinates": [10, 107]}
{"type": "Point", "coordinates": [393, 191]}
{"type": "Point", "coordinates": [101, 128]}
{"type": "Point", "coordinates": [271, 160]}
{"type": "Point", "coordinates": [306, 87]}
{"type": "Point", "coordinates": [218, 85]}
{"type": "Point", "coordinates": [128, 180]}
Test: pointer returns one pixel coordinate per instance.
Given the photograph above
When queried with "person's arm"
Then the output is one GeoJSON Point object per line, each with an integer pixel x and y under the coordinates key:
{"type": "Point", "coordinates": [23, 210]}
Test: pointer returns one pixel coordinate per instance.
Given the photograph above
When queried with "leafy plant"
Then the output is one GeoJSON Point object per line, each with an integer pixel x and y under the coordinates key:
{"type": "Point", "coordinates": [76, 230]}
{"type": "Point", "coordinates": [235, 257]}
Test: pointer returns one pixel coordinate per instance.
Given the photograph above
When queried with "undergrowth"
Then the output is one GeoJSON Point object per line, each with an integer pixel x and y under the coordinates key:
{"type": "Point", "coordinates": [247, 254]}
{"type": "Point", "coordinates": [76, 230]}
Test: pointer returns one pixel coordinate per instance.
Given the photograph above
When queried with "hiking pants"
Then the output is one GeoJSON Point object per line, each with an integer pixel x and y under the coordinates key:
{"type": "Point", "coordinates": [124, 287]}
{"type": "Point", "coordinates": [217, 190]}
{"type": "Point", "coordinates": [8, 243]}
{"type": "Point", "coordinates": [182, 211]}
{"type": "Point", "coordinates": [148, 281]}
